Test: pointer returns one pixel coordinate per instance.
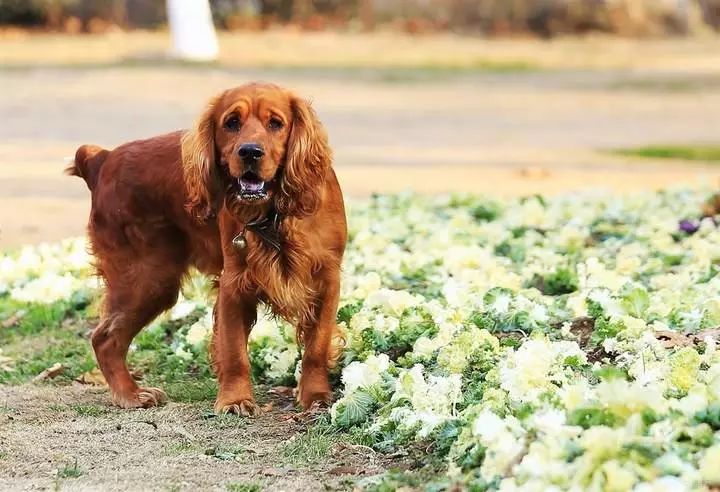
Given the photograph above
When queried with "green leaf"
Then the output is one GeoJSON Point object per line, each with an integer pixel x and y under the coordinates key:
{"type": "Point", "coordinates": [590, 417]}
{"type": "Point", "coordinates": [354, 409]}
{"type": "Point", "coordinates": [635, 300]}
{"type": "Point", "coordinates": [710, 416]}
{"type": "Point", "coordinates": [604, 329]}
{"type": "Point", "coordinates": [486, 212]}
{"type": "Point", "coordinates": [346, 312]}
{"type": "Point", "coordinates": [608, 373]}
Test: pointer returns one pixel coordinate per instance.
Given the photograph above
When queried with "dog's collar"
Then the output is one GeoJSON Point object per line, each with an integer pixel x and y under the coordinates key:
{"type": "Point", "coordinates": [267, 227]}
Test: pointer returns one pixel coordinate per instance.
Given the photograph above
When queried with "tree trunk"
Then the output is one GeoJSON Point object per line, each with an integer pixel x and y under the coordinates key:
{"type": "Point", "coordinates": [192, 30]}
{"type": "Point", "coordinates": [119, 12]}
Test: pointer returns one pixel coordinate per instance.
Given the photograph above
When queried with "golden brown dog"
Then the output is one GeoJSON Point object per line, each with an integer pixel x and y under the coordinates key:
{"type": "Point", "coordinates": [248, 192]}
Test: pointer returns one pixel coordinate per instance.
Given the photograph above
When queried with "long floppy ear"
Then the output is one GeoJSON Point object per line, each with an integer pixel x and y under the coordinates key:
{"type": "Point", "coordinates": [199, 166]}
{"type": "Point", "coordinates": [307, 161]}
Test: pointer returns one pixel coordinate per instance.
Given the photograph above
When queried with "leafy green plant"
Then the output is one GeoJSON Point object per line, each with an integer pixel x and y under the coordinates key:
{"type": "Point", "coordinates": [564, 280]}
{"type": "Point", "coordinates": [590, 417]}
{"type": "Point", "coordinates": [354, 410]}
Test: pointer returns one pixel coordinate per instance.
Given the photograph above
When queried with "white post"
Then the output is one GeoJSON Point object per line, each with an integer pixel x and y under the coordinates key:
{"type": "Point", "coordinates": [192, 29]}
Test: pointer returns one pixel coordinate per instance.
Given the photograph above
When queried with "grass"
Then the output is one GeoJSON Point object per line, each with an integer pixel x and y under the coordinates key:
{"type": "Point", "coordinates": [311, 447]}
{"type": "Point", "coordinates": [701, 153]}
{"type": "Point", "coordinates": [59, 332]}
{"type": "Point", "coordinates": [243, 487]}
{"type": "Point", "coordinates": [225, 421]}
{"type": "Point", "coordinates": [70, 471]}
{"type": "Point", "coordinates": [222, 452]}
{"type": "Point", "coordinates": [90, 410]}
{"type": "Point", "coordinates": [183, 447]}
{"type": "Point", "coordinates": [189, 390]}
{"type": "Point", "coordinates": [43, 336]}
{"type": "Point", "coordinates": [225, 453]}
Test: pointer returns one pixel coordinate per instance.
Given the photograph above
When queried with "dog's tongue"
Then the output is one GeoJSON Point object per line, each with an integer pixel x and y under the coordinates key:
{"type": "Point", "coordinates": [251, 185]}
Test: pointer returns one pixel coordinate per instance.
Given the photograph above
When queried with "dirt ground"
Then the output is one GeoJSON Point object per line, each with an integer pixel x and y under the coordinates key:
{"type": "Point", "coordinates": [431, 114]}
{"type": "Point", "coordinates": [47, 432]}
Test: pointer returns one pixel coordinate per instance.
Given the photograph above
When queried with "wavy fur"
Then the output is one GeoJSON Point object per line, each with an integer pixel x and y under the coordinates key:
{"type": "Point", "coordinates": [308, 159]}
{"type": "Point", "coordinates": [199, 165]}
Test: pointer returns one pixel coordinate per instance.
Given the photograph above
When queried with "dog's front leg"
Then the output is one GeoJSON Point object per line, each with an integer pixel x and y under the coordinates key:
{"type": "Point", "coordinates": [318, 338]}
{"type": "Point", "coordinates": [236, 315]}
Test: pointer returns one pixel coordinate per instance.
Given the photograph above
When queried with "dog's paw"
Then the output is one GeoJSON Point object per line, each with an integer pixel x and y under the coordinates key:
{"type": "Point", "coordinates": [141, 398]}
{"type": "Point", "coordinates": [314, 399]}
{"type": "Point", "coordinates": [244, 408]}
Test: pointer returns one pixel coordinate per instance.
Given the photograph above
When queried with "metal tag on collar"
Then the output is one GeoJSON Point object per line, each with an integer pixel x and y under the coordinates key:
{"type": "Point", "coordinates": [239, 241]}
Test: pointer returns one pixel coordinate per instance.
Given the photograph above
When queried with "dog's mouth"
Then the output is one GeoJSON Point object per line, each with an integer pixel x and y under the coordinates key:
{"type": "Point", "coordinates": [252, 187]}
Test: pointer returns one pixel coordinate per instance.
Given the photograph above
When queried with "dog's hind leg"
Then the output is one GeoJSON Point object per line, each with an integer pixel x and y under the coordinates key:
{"type": "Point", "coordinates": [136, 295]}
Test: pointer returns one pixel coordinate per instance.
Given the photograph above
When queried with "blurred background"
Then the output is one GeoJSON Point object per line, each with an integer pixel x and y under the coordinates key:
{"type": "Point", "coordinates": [507, 97]}
{"type": "Point", "coordinates": [544, 18]}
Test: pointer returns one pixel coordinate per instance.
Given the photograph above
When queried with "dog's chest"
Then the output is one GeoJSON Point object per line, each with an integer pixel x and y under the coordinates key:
{"type": "Point", "coordinates": [282, 277]}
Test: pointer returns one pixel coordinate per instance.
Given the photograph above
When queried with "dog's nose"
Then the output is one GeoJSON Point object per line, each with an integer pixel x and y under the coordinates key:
{"type": "Point", "coordinates": [251, 151]}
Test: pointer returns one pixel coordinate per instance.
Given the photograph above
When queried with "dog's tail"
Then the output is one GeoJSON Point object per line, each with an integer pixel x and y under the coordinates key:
{"type": "Point", "coordinates": [87, 163]}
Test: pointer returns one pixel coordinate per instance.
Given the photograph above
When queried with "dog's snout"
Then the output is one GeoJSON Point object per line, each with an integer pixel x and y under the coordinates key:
{"type": "Point", "coordinates": [251, 152]}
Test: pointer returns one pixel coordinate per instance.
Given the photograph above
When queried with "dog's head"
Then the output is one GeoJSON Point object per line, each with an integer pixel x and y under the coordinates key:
{"type": "Point", "coordinates": [253, 144]}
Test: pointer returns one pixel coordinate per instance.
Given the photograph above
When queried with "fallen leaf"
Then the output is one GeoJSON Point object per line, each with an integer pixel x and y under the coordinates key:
{"type": "Point", "coordinates": [712, 333]}
{"type": "Point", "coordinates": [94, 377]}
{"type": "Point", "coordinates": [267, 407]}
{"type": "Point", "coordinates": [183, 432]}
{"type": "Point", "coordinates": [6, 363]}
{"type": "Point", "coordinates": [285, 391]}
{"type": "Point", "coordinates": [711, 207]}
{"type": "Point", "coordinates": [13, 320]}
{"type": "Point", "coordinates": [289, 416]}
{"type": "Point", "coordinates": [51, 372]}
{"type": "Point", "coordinates": [355, 448]}
{"type": "Point", "coordinates": [672, 339]}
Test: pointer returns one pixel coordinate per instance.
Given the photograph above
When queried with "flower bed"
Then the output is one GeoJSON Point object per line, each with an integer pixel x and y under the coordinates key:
{"type": "Point", "coordinates": [534, 344]}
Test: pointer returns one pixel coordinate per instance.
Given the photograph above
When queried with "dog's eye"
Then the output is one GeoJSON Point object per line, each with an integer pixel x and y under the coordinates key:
{"type": "Point", "coordinates": [275, 124]}
{"type": "Point", "coordinates": [232, 123]}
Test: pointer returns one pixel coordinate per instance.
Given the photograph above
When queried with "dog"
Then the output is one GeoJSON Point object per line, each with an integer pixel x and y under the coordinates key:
{"type": "Point", "coordinates": [248, 195]}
